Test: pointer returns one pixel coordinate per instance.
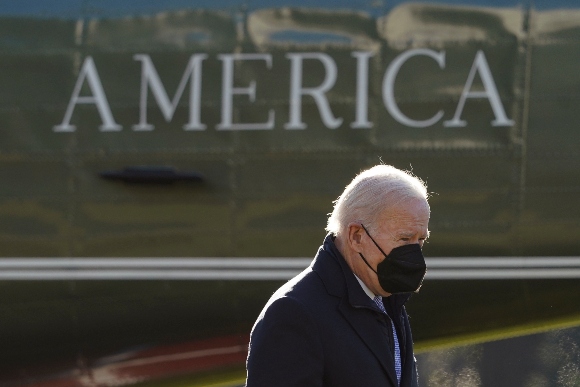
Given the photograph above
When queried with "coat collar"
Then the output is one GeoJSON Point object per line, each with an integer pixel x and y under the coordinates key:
{"type": "Point", "coordinates": [331, 265]}
{"type": "Point", "coordinates": [337, 276]}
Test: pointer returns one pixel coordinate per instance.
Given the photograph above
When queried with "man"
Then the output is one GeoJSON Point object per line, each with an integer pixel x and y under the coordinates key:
{"type": "Point", "coordinates": [342, 321]}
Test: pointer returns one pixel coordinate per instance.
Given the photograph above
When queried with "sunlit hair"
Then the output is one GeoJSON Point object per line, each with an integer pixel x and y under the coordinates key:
{"type": "Point", "coordinates": [372, 192]}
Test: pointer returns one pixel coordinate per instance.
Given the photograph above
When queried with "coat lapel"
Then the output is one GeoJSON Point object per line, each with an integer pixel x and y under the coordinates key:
{"type": "Point", "coordinates": [356, 307]}
{"type": "Point", "coordinates": [365, 325]}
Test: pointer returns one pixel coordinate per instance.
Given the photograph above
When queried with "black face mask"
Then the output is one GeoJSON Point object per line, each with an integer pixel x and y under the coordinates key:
{"type": "Point", "coordinates": [402, 271]}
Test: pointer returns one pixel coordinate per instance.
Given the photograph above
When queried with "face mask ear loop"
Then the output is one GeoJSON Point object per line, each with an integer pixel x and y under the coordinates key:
{"type": "Point", "coordinates": [370, 267]}
{"type": "Point", "coordinates": [378, 247]}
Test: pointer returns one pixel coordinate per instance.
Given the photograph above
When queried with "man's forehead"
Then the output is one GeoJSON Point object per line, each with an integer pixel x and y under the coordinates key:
{"type": "Point", "coordinates": [413, 205]}
{"type": "Point", "coordinates": [406, 226]}
{"type": "Point", "coordinates": [402, 218]}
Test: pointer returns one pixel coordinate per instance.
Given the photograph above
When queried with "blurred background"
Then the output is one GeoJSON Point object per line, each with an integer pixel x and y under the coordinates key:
{"type": "Point", "coordinates": [165, 166]}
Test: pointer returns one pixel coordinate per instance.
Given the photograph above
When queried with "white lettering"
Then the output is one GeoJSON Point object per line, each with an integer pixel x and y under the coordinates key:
{"type": "Point", "coordinates": [318, 93]}
{"type": "Point", "coordinates": [362, 90]}
{"type": "Point", "coordinates": [149, 76]}
{"type": "Point", "coordinates": [480, 65]}
{"type": "Point", "coordinates": [98, 97]}
{"type": "Point", "coordinates": [389, 86]}
{"type": "Point", "coordinates": [228, 91]}
{"type": "Point", "coordinates": [88, 89]}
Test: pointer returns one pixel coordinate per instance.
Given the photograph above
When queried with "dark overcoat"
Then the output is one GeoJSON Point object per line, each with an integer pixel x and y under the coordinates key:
{"type": "Point", "coordinates": [321, 329]}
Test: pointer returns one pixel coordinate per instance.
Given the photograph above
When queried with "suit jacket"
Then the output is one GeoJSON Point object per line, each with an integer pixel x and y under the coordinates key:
{"type": "Point", "coordinates": [321, 329]}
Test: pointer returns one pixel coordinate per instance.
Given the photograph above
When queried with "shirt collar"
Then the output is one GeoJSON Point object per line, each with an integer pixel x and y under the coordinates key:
{"type": "Point", "coordinates": [365, 288]}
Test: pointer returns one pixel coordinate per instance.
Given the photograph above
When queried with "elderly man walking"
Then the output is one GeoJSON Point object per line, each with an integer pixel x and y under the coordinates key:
{"type": "Point", "coordinates": [342, 321]}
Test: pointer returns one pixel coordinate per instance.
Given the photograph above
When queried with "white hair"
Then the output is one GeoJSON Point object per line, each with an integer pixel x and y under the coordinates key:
{"type": "Point", "coordinates": [370, 193]}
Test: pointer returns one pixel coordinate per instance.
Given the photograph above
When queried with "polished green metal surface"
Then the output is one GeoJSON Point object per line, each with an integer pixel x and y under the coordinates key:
{"type": "Point", "coordinates": [484, 108]}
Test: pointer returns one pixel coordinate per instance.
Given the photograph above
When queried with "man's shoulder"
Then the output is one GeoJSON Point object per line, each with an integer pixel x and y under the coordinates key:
{"type": "Point", "coordinates": [308, 282]}
{"type": "Point", "coordinates": [307, 289]}
{"type": "Point", "coordinates": [317, 287]}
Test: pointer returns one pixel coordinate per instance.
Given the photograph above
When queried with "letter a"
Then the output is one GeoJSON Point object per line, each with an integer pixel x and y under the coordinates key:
{"type": "Point", "coordinates": [480, 65]}
{"type": "Point", "coordinates": [98, 97]}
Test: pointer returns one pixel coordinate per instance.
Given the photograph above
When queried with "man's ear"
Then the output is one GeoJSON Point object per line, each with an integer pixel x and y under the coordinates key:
{"type": "Point", "coordinates": [355, 234]}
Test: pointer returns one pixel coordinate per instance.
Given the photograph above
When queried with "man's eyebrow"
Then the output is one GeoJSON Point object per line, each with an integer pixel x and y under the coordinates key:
{"type": "Point", "coordinates": [407, 234]}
